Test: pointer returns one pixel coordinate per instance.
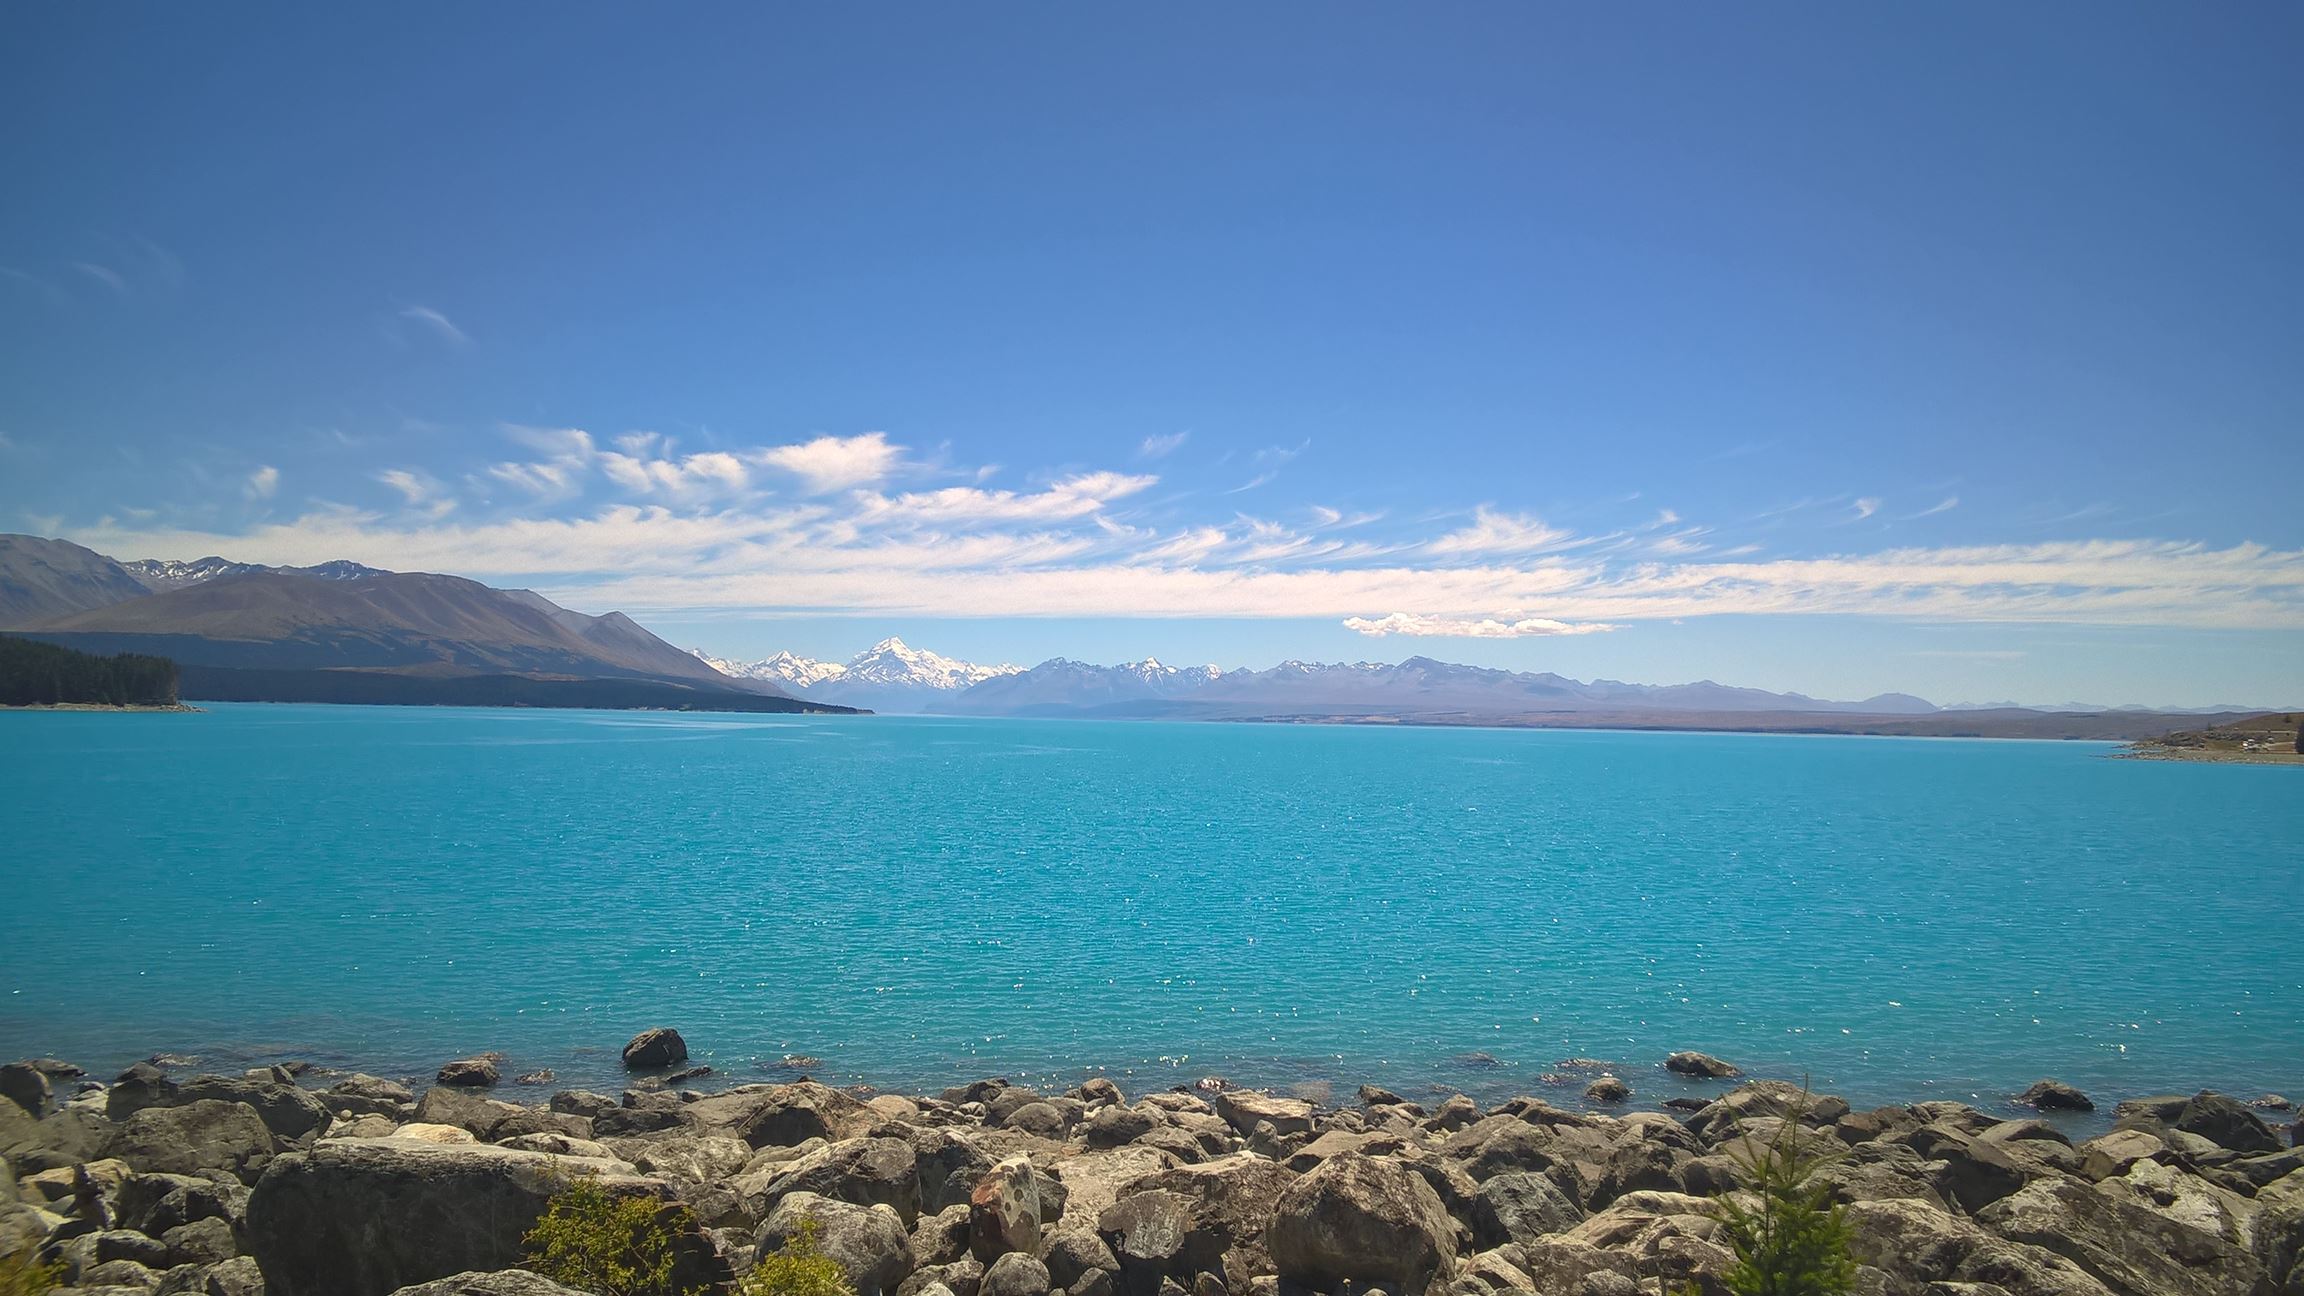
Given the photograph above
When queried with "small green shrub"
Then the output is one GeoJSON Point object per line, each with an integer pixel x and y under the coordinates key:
{"type": "Point", "coordinates": [595, 1241]}
{"type": "Point", "coordinates": [22, 1274]}
{"type": "Point", "coordinates": [1795, 1241]}
{"type": "Point", "coordinates": [797, 1269]}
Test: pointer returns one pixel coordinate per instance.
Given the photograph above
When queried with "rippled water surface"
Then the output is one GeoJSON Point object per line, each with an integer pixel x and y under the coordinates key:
{"type": "Point", "coordinates": [917, 902]}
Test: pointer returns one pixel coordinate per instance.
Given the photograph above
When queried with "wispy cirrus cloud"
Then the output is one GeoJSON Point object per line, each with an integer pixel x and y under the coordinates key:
{"type": "Point", "coordinates": [1072, 497]}
{"type": "Point", "coordinates": [419, 490]}
{"type": "Point", "coordinates": [1435, 627]}
{"type": "Point", "coordinates": [262, 483]}
{"type": "Point", "coordinates": [1267, 463]}
{"type": "Point", "coordinates": [1161, 445]}
{"type": "Point", "coordinates": [1494, 532]}
{"type": "Point", "coordinates": [636, 523]}
{"type": "Point", "coordinates": [441, 326]}
{"type": "Point", "coordinates": [105, 275]}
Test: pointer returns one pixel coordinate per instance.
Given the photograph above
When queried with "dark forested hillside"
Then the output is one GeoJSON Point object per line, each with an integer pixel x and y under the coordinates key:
{"type": "Point", "coordinates": [40, 674]}
{"type": "Point", "coordinates": [387, 688]}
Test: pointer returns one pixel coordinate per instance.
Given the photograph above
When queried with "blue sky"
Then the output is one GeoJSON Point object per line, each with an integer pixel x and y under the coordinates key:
{"type": "Point", "coordinates": [1949, 348]}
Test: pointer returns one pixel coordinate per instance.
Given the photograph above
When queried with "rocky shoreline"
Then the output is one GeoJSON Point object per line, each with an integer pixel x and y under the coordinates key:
{"type": "Point", "coordinates": [287, 1181]}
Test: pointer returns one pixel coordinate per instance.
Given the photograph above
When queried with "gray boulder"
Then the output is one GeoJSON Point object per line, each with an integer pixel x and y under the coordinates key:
{"type": "Point", "coordinates": [1704, 1066]}
{"type": "Point", "coordinates": [469, 1073]}
{"type": "Point", "coordinates": [26, 1086]}
{"type": "Point", "coordinates": [115, 1276]}
{"type": "Point", "coordinates": [1099, 1092]}
{"type": "Point", "coordinates": [491, 1120]}
{"type": "Point", "coordinates": [1007, 1207]}
{"type": "Point", "coordinates": [949, 1166]}
{"type": "Point", "coordinates": [1044, 1119]}
{"type": "Point", "coordinates": [2055, 1095]}
{"type": "Point", "coordinates": [73, 1136]}
{"type": "Point", "coordinates": [367, 1218]}
{"type": "Point", "coordinates": [366, 1095]}
{"type": "Point", "coordinates": [2125, 1246]}
{"type": "Point", "coordinates": [1521, 1206]}
{"type": "Point", "coordinates": [1114, 1126]}
{"type": "Point", "coordinates": [287, 1111]}
{"type": "Point", "coordinates": [628, 1122]}
{"type": "Point", "coordinates": [136, 1088]}
{"type": "Point", "coordinates": [791, 1114]}
{"type": "Point", "coordinates": [203, 1135]}
{"type": "Point", "coordinates": [1607, 1089]}
{"type": "Point", "coordinates": [1000, 1106]}
{"type": "Point", "coordinates": [1014, 1274]}
{"type": "Point", "coordinates": [1356, 1219]}
{"type": "Point", "coordinates": [691, 1158]}
{"type": "Point", "coordinates": [1072, 1254]}
{"type": "Point", "coordinates": [1929, 1252]}
{"type": "Point", "coordinates": [653, 1050]}
{"type": "Point", "coordinates": [1147, 1233]}
{"type": "Point", "coordinates": [1233, 1200]}
{"type": "Point", "coordinates": [1245, 1109]}
{"type": "Point", "coordinates": [863, 1171]}
{"type": "Point", "coordinates": [504, 1282]}
{"type": "Point", "coordinates": [867, 1242]}
{"type": "Point", "coordinates": [2226, 1122]}
{"type": "Point", "coordinates": [203, 1241]}
{"type": "Point", "coordinates": [582, 1102]}
{"type": "Point", "coordinates": [239, 1276]}
{"type": "Point", "coordinates": [92, 1249]}
{"type": "Point", "coordinates": [156, 1203]}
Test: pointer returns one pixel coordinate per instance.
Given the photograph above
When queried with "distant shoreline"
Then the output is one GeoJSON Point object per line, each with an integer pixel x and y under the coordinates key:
{"type": "Point", "coordinates": [2037, 726]}
{"type": "Point", "coordinates": [95, 706]}
{"type": "Point", "coordinates": [2157, 752]}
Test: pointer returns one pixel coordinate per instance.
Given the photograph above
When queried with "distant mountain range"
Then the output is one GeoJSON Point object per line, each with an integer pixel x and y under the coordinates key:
{"type": "Point", "coordinates": [341, 631]}
{"type": "Point", "coordinates": [892, 676]}
{"type": "Point", "coordinates": [888, 676]}
{"type": "Point", "coordinates": [306, 631]}
{"type": "Point", "coordinates": [1419, 690]}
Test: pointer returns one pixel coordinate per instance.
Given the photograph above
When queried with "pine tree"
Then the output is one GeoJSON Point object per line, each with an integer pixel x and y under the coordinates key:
{"type": "Point", "coordinates": [1794, 1241]}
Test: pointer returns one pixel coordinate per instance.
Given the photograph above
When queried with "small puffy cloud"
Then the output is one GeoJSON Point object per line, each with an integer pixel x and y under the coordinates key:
{"type": "Point", "coordinates": [1866, 507]}
{"type": "Point", "coordinates": [831, 463]}
{"type": "Point", "coordinates": [1493, 532]}
{"type": "Point", "coordinates": [1442, 627]}
{"type": "Point", "coordinates": [1162, 445]}
{"type": "Point", "coordinates": [263, 482]}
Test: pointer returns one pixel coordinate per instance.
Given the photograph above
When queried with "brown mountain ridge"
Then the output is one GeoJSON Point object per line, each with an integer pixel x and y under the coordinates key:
{"type": "Point", "coordinates": [241, 630]}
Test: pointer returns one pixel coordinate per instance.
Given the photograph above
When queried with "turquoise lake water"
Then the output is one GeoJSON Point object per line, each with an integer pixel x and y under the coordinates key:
{"type": "Point", "coordinates": [918, 902]}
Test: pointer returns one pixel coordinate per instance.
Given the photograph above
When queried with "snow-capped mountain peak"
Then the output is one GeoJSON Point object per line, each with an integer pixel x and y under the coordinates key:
{"type": "Point", "coordinates": [892, 661]}
{"type": "Point", "coordinates": [783, 668]}
{"type": "Point", "coordinates": [162, 574]}
{"type": "Point", "coordinates": [883, 676]}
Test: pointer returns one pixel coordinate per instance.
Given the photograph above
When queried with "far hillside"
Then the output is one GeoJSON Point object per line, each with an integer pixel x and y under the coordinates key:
{"type": "Point", "coordinates": [2277, 732]}
{"type": "Point", "coordinates": [41, 674]}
